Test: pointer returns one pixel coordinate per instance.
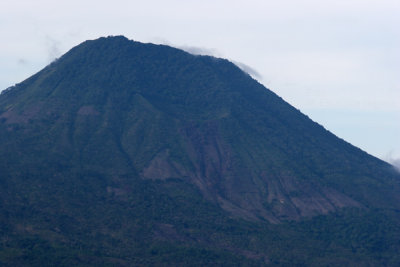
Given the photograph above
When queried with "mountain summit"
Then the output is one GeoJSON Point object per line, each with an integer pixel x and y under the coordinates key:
{"type": "Point", "coordinates": [116, 135]}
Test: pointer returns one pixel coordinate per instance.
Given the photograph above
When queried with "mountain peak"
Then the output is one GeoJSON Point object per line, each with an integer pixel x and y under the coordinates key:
{"type": "Point", "coordinates": [150, 131]}
{"type": "Point", "coordinates": [239, 143]}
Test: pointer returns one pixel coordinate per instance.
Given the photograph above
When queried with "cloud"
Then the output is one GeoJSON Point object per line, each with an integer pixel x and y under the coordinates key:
{"type": "Point", "coordinates": [53, 48]}
{"type": "Point", "coordinates": [195, 50]}
{"type": "Point", "coordinates": [395, 161]}
{"type": "Point", "coordinates": [249, 70]}
{"type": "Point", "coordinates": [203, 51]}
{"type": "Point", "coordinates": [22, 61]}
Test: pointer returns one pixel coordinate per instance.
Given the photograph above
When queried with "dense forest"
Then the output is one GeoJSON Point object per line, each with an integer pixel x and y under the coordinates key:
{"type": "Point", "coordinates": [129, 154]}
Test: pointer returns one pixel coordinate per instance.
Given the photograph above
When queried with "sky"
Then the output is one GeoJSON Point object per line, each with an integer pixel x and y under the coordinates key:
{"type": "Point", "coordinates": [336, 61]}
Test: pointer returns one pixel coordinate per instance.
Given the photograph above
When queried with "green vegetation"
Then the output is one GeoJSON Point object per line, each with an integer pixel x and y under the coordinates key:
{"type": "Point", "coordinates": [130, 154]}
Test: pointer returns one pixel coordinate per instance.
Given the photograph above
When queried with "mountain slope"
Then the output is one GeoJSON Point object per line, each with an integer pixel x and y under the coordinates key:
{"type": "Point", "coordinates": [121, 137]}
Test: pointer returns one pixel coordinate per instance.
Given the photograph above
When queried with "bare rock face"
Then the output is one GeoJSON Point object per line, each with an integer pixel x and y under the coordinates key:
{"type": "Point", "coordinates": [162, 167]}
{"type": "Point", "coordinates": [273, 197]}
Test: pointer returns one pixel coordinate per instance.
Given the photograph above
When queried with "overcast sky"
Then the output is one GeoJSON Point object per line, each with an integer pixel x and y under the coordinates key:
{"type": "Point", "coordinates": [337, 61]}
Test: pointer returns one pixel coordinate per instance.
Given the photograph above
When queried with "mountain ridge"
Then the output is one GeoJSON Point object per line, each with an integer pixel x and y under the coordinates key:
{"type": "Point", "coordinates": [183, 101]}
{"type": "Point", "coordinates": [149, 134]}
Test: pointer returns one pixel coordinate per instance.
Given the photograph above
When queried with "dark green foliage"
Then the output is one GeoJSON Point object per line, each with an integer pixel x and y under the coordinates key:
{"type": "Point", "coordinates": [130, 154]}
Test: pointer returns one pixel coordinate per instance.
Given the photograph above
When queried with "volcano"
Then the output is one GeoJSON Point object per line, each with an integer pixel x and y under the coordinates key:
{"type": "Point", "coordinates": [122, 153]}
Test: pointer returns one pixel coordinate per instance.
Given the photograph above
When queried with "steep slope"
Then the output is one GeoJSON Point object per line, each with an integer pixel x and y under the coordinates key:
{"type": "Point", "coordinates": [120, 134]}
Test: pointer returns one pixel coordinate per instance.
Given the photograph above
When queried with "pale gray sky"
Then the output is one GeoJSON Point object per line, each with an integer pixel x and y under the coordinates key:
{"type": "Point", "coordinates": [337, 61]}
